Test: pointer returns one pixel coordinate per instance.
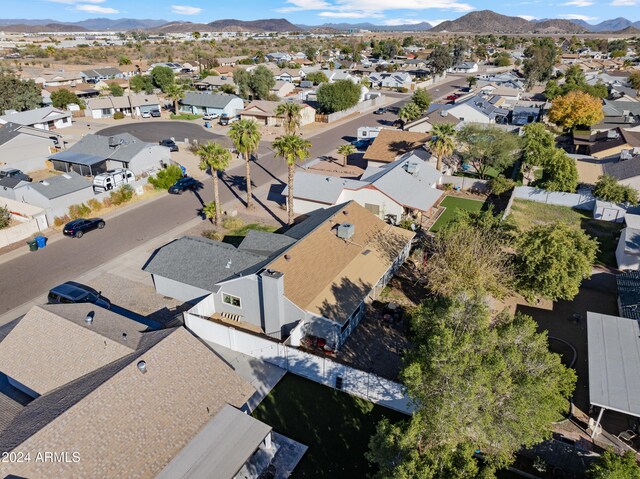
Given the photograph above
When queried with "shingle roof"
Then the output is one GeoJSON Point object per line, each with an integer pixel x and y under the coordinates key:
{"type": "Point", "coordinates": [263, 243]}
{"type": "Point", "coordinates": [320, 188]}
{"type": "Point", "coordinates": [60, 185]}
{"type": "Point", "coordinates": [207, 99]}
{"type": "Point", "coordinates": [631, 238]}
{"type": "Point", "coordinates": [31, 117]}
{"type": "Point", "coordinates": [629, 294]}
{"type": "Point", "coordinates": [622, 170]}
{"type": "Point", "coordinates": [390, 144]}
{"type": "Point", "coordinates": [92, 149]}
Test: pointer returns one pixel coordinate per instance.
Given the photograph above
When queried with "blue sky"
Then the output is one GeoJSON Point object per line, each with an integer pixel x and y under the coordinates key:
{"type": "Point", "coordinates": [314, 12]}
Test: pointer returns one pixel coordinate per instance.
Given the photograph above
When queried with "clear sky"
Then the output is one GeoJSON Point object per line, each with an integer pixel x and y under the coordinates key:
{"type": "Point", "coordinates": [315, 12]}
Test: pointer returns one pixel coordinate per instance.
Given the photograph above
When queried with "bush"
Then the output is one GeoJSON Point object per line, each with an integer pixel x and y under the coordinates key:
{"type": "Point", "coordinates": [94, 204]}
{"type": "Point", "coordinates": [402, 89]}
{"type": "Point", "coordinates": [107, 203]}
{"type": "Point", "coordinates": [166, 177]}
{"type": "Point", "coordinates": [213, 235]}
{"type": "Point", "coordinates": [5, 217]}
{"type": "Point", "coordinates": [184, 116]}
{"type": "Point", "coordinates": [79, 211]}
{"type": "Point", "coordinates": [608, 189]}
{"type": "Point", "coordinates": [118, 115]}
{"type": "Point", "coordinates": [338, 96]}
{"type": "Point", "coordinates": [61, 220]}
{"type": "Point", "coordinates": [121, 195]}
{"type": "Point", "coordinates": [232, 223]}
{"type": "Point", "coordinates": [499, 185]}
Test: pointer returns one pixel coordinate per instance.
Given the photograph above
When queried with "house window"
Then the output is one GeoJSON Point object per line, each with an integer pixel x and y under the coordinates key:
{"type": "Point", "coordinates": [232, 300]}
{"type": "Point", "coordinates": [375, 209]}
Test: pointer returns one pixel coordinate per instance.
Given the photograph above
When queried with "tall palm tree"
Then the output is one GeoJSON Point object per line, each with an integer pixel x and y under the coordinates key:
{"type": "Point", "coordinates": [442, 141]}
{"type": "Point", "coordinates": [409, 112]}
{"type": "Point", "coordinates": [292, 148]}
{"type": "Point", "coordinates": [346, 150]}
{"type": "Point", "coordinates": [291, 114]}
{"type": "Point", "coordinates": [176, 93]}
{"type": "Point", "coordinates": [245, 135]}
{"type": "Point", "coordinates": [216, 157]}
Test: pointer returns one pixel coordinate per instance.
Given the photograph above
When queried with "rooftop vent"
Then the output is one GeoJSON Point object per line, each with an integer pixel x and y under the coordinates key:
{"type": "Point", "coordinates": [612, 134]}
{"type": "Point", "coordinates": [142, 366]}
{"type": "Point", "coordinates": [228, 266]}
{"type": "Point", "coordinates": [45, 182]}
{"type": "Point", "coordinates": [124, 336]}
{"type": "Point", "coordinates": [413, 167]}
{"type": "Point", "coordinates": [66, 175]}
{"type": "Point", "coordinates": [89, 318]}
{"type": "Point", "coordinates": [287, 257]}
{"type": "Point", "coordinates": [346, 230]}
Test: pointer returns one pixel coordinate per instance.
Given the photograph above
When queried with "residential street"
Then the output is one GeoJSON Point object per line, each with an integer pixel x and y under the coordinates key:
{"type": "Point", "coordinates": [31, 275]}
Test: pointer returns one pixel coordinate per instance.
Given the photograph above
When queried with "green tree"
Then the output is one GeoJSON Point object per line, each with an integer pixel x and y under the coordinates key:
{"type": "Point", "coordinates": [440, 59]}
{"type": "Point", "coordinates": [245, 135]}
{"type": "Point", "coordinates": [316, 77]}
{"type": "Point", "coordinates": [17, 94]}
{"type": "Point", "coordinates": [346, 150]}
{"type": "Point", "coordinates": [409, 112]}
{"type": "Point", "coordinates": [608, 189]}
{"type": "Point", "coordinates": [560, 172]}
{"type": "Point", "coordinates": [166, 177]}
{"type": "Point", "coordinates": [552, 260]}
{"type": "Point", "coordinates": [613, 466]}
{"type": "Point", "coordinates": [228, 89]}
{"type": "Point", "coordinates": [115, 89]}
{"type": "Point", "coordinates": [163, 77]}
{"type": "Point", "coordinates": [442, 142]}
{"type": "Point", "coordinates": [292, 148]}
{"type": "Point", "coordinates": [175, 93]}
{"type": "Point", "coordinates": [500, 185]}
{"type": "Point", "coordinates": [338, 96]}
{"type": "Point", "coordinates": [540, 57]}
{"type": "Point", "coordinates": [291, 114]}
{"type": "Point", "coordinates": [261, 82]}
{"type": "Point", "coordinates": [471, 81]}
{"type": "Point", "coordinates": [422, 99]}
{"type": "Point", "coordinates": [141, 83]}
{"type": "Point", "coordinates": [63, 98]}
{"type": "Point", "coordinates": [488, 147]}
{"type": "Point", "coordinates": [634, 80]}
{"type": "Point", "coordinates": [5, 217]}
{"type": "Point", "coordinates": [124, 60]}
{"type": "Point", "coordinates": [538, 146]}
{"type": "Point", "coordinates": [241, 78]}
{"type": "Point", "coordinates": [217, 158]}
{"type": "Point", "coordinates": [210, 211]}
{"type": "Point", "coordinates": [552, 90]}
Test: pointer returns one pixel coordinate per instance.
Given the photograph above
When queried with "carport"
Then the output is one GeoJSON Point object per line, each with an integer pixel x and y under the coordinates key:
{"type": "Point", "coordinates": [83, 164]}
{"type": "Point", "coordinates": [614, 365]}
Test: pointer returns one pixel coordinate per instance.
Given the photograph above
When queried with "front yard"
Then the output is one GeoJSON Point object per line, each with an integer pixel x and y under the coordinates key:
{"type": "Point", "coordinates": [335, 426]}
{"type": "Point", "coordinates": [451, 204]}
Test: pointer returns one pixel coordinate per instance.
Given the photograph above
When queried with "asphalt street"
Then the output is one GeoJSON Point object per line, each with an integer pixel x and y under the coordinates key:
{"type": "Point", "coordinates": [31, 275]}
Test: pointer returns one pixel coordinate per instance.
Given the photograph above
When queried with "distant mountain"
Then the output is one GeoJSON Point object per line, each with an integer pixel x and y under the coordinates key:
{"type": "Point", "coordinates": [619, 23]}
{"type": "Point", "coordinates": [183, 27]}
{"type": "Point", "coordinates": [91, 24]}
{"type": "Point", "coordinates": [558, 26]}
{"type": "Point", "coordinates": [418, 27]}
{"type": "Point", "coordinates": [119, 24]}
{"type": "Point", "coordinates": [267, 25]}
{"type": "Point", "coordinates": [50, 27]}
{"type": "Point", "coordinates": [26, 21]}
{"type": "Point", "coordinates": [485, 21]}
{"type": "Point", "coordinates": [630, 30]}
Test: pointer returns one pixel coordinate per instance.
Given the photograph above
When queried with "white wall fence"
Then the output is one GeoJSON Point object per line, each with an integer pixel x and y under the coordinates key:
{"type": "Point", "coordinates": [581, 201]}
{"type": "Point", "coordinates": [466, 184]}
{"type": "Point", "coordinates": [360, 107]}
{"type": "Point", "coordinates": [28, 220]}
{"type": "Point", "coordinates": [320, 369]}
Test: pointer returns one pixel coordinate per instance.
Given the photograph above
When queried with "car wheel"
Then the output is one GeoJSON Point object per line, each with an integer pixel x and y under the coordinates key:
{"type": "Point", "coordinates": [180, 192]}
{"type": "Point", "coordinates": [79, 234]}
{"type": "Point", "coordinates": [101, 225]}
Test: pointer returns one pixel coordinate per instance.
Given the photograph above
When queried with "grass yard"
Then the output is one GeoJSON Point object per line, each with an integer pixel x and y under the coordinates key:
{"type": "Point", "coordinates": [453, 203]}
{"type": "Point", "coordinates": [335, 426]}
{"type": "Point", "coordinates": [184, 116]}
{"type": "Point", "coordinates": [526, 214]}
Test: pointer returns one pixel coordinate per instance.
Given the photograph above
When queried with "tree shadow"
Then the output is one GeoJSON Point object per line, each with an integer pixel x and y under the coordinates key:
{"type": "Point", "coordinates": [235, 183]}
{"type": "Point", "coordinates": [403, 146]}
{"type": "Point", "coordinates": [257, 163]}
{"type": "Point", "coordinates": [347, 296]}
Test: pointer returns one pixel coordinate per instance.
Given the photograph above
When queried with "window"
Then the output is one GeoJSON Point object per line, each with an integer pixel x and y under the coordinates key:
{"type": "Point", "coordinates": [232, 300]}
{"type": "Point", "coordinates": [375, 209]}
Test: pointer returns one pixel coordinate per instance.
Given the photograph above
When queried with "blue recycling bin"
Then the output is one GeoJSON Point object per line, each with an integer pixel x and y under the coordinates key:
{"type": "Point", "coordinates": [41, 241]}
{"type": "Point", "coordinates": [207, 124]}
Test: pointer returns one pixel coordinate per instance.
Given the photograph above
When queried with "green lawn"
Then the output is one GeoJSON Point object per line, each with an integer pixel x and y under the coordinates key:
{"type": "Point", "coordinates": [184, 116]}
{"type": "Point", "coordinates": [335, 426]}
{"type": "Point", "coordinates": [526, 214]}
{"type": "Point", "coordinates": [453, 203]}
{"type": "Point", "coordinates": [236, 236]}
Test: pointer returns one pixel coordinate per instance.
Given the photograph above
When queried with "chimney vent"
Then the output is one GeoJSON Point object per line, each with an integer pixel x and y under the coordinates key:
{"type": "Point", "coordinates": [89, 318]}
{"type": "Point", "coordinates": [142, 366]}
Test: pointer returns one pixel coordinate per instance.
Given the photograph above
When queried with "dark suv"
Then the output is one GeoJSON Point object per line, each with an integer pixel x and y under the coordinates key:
{"type": "Point", "coordinates": [77, 228]}
{"type": "Point", "coordinates": [156, 114]}
{"type": "Point", "coordinates": [14, 173]}
{"type": "Point", "coordinates": [71, 293]}
{"type": "Point", "coordinates": [169, 143]}
{"type": "Point", "coordinates": [184, 184]}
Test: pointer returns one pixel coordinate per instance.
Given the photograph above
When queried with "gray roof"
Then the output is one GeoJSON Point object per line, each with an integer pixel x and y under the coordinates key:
{"type": "Point", "coordinates": [60, 185]}
{"type": "Point", "coordinates": [315, 219]}
{"type": "Point", "coordinates": [631, 238]}
{"type": "Point", "coordinates": [207, 99]}
{"type": "Point", "coordinates": [622, 170]}
{"type": "Point", "coordinates": [223, 446]}
{"type": "Point", "coordinates": [202, 263]}
{"type": "Point", "coordinates": [31, 117]}
{"type": "Point", "coordinates": [320, 188]}
{"type": "Point", "coordinates": [108, 71]}
{"type": "Point", "coordinates": [8, 132]}
{"type": "Point", "coordinates": [263, 243]}
{"type": "Point", "coordinates": [10, 183]}
{"type": "Point", "coordinates": [614, 363]}
{"type": "Point", "coordinates": [93, 149]}
{"type": "Point", "coordinates": [629, 294]}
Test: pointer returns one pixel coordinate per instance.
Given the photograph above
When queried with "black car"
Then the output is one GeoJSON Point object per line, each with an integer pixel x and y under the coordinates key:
{"type": "Point", "coordinates": [183, 184]}
{"type": "Point", "coordinates": [15, 173]}
{"type": "Point", "coordinates": [169, 143]}
{"type": "Point", "coordinates": [77, 228]}
{"type": "Point", "coordinates": [71, 293]}
{"type": "Point", "coordinates": [380, 111]}
{"type": "Point", "coordinates": [156, 114]}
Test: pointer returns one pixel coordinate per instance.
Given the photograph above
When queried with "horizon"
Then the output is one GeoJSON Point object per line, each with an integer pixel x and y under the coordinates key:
{"type": "Point", "coordinates": [318, 12]}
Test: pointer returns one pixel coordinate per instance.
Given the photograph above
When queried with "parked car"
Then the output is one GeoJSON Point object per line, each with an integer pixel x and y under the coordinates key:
{"type": "Point", "coordinates": [169, 143]}
{"type": "Point", "coordinates": [15, 173]}
{"type": "Point", "coordinates": [228, 119]}
{"type": "Point", "coordinates": [360, 144]}
{"type": "Point", "coordinates": [380, 111]}
{"type": "Point", "coordinates": [210, 116]}
{"type": "Point", "coordinates": [146, 114]}
{"type": "Point", "coordinates": [71, 293]}
{"type": "Point", "coordinates": [77, 228]}
{"type": "Point", "coordinates": [185, 183]}
{"type": "Point", "coordinates": [155, 113]}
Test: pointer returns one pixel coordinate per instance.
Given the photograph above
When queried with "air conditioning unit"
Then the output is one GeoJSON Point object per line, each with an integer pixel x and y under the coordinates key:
{"type": "Point", "coordinates": [413, 167]}
{"type": "Point", "coordinates": [346, 230]}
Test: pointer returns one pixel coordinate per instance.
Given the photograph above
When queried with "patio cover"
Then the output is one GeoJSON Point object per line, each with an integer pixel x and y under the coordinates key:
{"type": "Point", "coordinates": [614, 363]}
{"type": "Point", "coordinates": [77, 158]}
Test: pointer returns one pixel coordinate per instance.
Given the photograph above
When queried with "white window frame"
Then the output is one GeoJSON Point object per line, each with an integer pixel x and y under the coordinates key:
{"type": "Point", "coordinates": [227, 295]}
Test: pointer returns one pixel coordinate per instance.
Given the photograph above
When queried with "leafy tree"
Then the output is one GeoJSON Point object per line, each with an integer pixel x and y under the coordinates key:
{"type": "Point", "coordinates": [292, 148]}
{"type": "Point", "coordinates": [63, 98]}
{"type": "Point", "coordinates": [242, 78]}
{"type": "Point", "coordinates": [166, 177]}
{"type": "Point", "coordinates": [316, 77]}
{"type": "Point", "coordinates": [291, 114]}
{"type": "Point", "coordinates": [540, 57]}
{"type": "Point", "coordinates": [576, 109]}
{"type": "Point", "coordinates": [139, 83]}
{"type": "Point", "coordinates": [175, 93]}
{"type": "Point", "coordinates": [245, 135]}
{"type": "Point", "coordinates": [471, 81]}
{"type": "Point", "coordinates": [538, 146]}
{"type": "Point", "coordinates": [17, 94]}
{"type": "Point", "coordinates": [634, 80]}
{"type": "Point", "coordinates": [261, 82]}
{"type": "Point", "coordinates": [5, 217]}
{"type": "Point", "coordinates": [478, 384]}
{"type": "Point", "coordinates": [613, 466]}
{"type": "Point", "coordinates": [486, 221]}
{"type": "Point", "coordinates": [500, 185]}
{"type": "Point", "coordinates": [217, 158]}
{"type": "Point", "coordinates": [210, 211]}
{"type": "Point", "coordinates": [560, 172]}
{"type": "Point", "coordinates": [440, 59]}
{"type": "Point", "coordinates": [228, 89]}
{"type": "Point", "coordinates": [552, 260]}
{"type": "Point", "coordinates": [409, 112]}
{"type": "Point", "coordinates": [488, 147]}
{"type": "Point", "coordinates": [552, 90]}
{"type": "Point", "coordinates": [310, 52]}
{"type": "Point", "coordinates": [124, 60]}
{"type": "Point", "coordinates": [422, 99]}
{"type": "Point", "coordinates": [115, 89]}
{"type": "Point", "coordinates": [338, 96]}
{"type": "Point", "coordinates": [442, 142]}
{"type": "Point", "coordinates": [163, 77]}
{"type": "Point", "coordinates": [608, 189]}
{"type": "Point", "coordinates": [346, 150]}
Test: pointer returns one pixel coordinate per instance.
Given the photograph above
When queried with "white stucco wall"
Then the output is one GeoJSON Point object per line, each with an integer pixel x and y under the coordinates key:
{"type": "Point", "coordinates": [374, 197]}
{"type": "Point", "coordinates": [25, 152]}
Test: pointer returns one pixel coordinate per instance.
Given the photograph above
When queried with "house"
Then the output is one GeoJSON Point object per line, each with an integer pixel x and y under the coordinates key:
{"type": "Point", "coordinates": [282, 88]}
{"type": "Point", "coordinates": [479, 109]}
{"type": "Point", "coordinates": [97, 74]}
{"type": "Point", "coordinates": [26, 148]}
{"type": "Point", "coordinates": [198, 103]}
{"type": "Point", "coordinates": [629, 294]}
{"type": "Point", "coordinates": [389, 145]}
{"type": "Point", "coordinates": [628, 249]}
{"type": "Point", "coordinates": [290, 75]}
{"type": "Point", "coordinates": [320, 273]}
{"type": "Point", "coordinates": [618, 114]}
{"type": "Point", "coordinates": [95, 154]}
{"type": "Point", "coordinates": [464, 67]}
{"type": "Point", "coordinates": [230, 61]}
{"type": "Point", "coordinates": [393, 81]}
{"type": "Point", "coordinates": [47, 118]}
{"type": "Point", "coordinates": [215, 82]}
{"type": "Point", "coordinates": [59, 79]}
{"type": "Point", "coordinates": [626, 171]}
{"type": "Point", "coordinates": [97, 385]}
{"type": "Point", "coordinates": [55, 194]}
{"type": "Point", "coordinates": [605, 144]}
{"type": "Point", "coordinates": [82, 91]}
{"type": "Point", "coordinates": [176, 67]}
{"type": "Point", "coordinates": [335, 75]}
{"type": "Point", "coordinates": [264, 112]}
{"type": "Point", "coordinates": [426, 123]}
{"type": "Point", "coordinates": [524, 113]}
{"type": "Point", "coordinates": [405, 187]}
{"type": "Point", "coordinates": [277, 57]}
{"type": "Point", "coordinates": [129, 105]}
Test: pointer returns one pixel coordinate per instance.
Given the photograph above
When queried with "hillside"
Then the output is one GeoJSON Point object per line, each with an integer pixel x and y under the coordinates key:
{"type": "Point", "coordinates": [118, 24]}
{"type": "Point", "coordinates": [50, 27]}
{"type": "Point", "coordinates": [417, 27]}
{"type": "Point", "coordinates": [183, 27]}
{"type": "Point", "coordinates": [557, 26]}
{"type": "Point", "coordinates": [484, 21]}
{"type": "Point", "coordinates": [267, 25]}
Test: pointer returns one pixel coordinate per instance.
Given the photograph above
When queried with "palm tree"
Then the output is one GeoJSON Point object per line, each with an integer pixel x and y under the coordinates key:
{"type": "Point", "coordinates": [210, 211]}
{"type": "Point", "coordinates": [346, 150]}
{"type": "Point", "coordinates": [409, 112]}
{"type": "Point", "coordinates": [292, 148]}
{"type": "Point", "coordinates": [442, 141]}
{"type": "Point", "coordinates": [291, 113]}
{"type": "Point", "coordinates": [176, 93]}
{"type": "Point", "coordinates": [471, 80]}
{"type": "Point", "coordinates": [216, 157]}
{"type": "Point", "coordinates": [245, 135]}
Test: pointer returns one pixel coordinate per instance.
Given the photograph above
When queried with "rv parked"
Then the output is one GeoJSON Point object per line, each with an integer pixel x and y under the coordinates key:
{"type": "Point", "coordinates": [113, 179]}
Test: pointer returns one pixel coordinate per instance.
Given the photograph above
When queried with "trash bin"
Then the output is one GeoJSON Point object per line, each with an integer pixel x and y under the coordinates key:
{"type": "Point", "coordinates": [207, 124]}
{"type": "Point", "coordinates": [33, 245]}
{"type": "Point", "coordinates": [41, 240]}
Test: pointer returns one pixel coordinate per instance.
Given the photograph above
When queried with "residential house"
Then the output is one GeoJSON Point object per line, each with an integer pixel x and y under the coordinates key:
{"type": "Point", "coordinates": [229, 61]}
{"type": "Point", "coordinates": [129, 105]}
{"type": "Point", "coordinates": [95, 154]}
{"type": "Point", "coordinates": [335, 75]}
{"type": "Point", "coordinates": [626, 171]}
{"type": "Point", "coordinates": [8, 187]}
{"type": "Point", "coordinates": [277, 57]}
{"type": "Point", "coordinates": [392, 81]}
{"type": "Point", "coordinates": [47, 118]}
{"type": "Point", "coordinates": [215, 82]}
{"type": "Point", "coordinates": [26, 148]}
{"type": "Point", "coordinates": [628, 249]}
{"type": "Point", "coordinates": [403, 188]}
{"type": "Point", "coordinates": [59, 79]}
{"type": "Point", "coordinates": [618, 114]}
{"type": "Point", "coordinates": [78, 377]}
{"type": "Point", "coordinates": [479, 109]}
{"type": "Point", "coordinates": [264, 112]}
{"type": "Point", "coordinates": [198, 103]}
{"type": "Point", "coordinates": [317, 276]}
{"type": "Point", "coordinates": [605, 144]}
{"type": "Point", "coordinates": [290, 75]}
{"type": "Point", "coordinates": [464, 67]}
{"type": "Point", "coordinates": [390, 144]}
{"type": "Point", "coordinates": [97, 74]}
{"type": "Point", "coordinates": [82, 91]}
{"type": "Point", "coordinates": [427, 122]}
{"type": "Point", "coordinates": [176, 67]}
{"type": "Point", "coordinates": [283, 88]}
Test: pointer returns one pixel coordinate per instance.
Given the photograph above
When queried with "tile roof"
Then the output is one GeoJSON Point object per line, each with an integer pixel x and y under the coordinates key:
{"type": "Point", "coordinates": [261, 108]}
{"type": "Point", "coordinates": [390, 144]}
{"type": "Point", "coordinates": [59, 185]}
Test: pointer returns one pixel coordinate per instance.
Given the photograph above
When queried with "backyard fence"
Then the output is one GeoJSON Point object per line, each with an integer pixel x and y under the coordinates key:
{"type": "Point", "coordinates": [320, 369]}
{"type": "Point", "coordinates": [581, 201]}
{"type": "Point", "coordinates": [466, 184]}
{"type": "Point", "coordinates": [359, 108]}
{"type": "Point", "coordinates": [27, 220]}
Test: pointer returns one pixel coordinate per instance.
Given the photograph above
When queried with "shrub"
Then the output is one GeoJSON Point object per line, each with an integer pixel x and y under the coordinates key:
{"type": "Point", "coordinates": [79, 211]}
{"type": "Point", "coordinates": [61, 220]}
{"type": "Point", "coordinates": [118, 115]}
{"type": "Point", "coordinates": [5, 217]}
{"type": "Point", "coordinates": [232, 223]}
{"type": "Point", "coordinates": [122, 195]}
{"type": "Point", "coordinates": [499, 185]}
{"type": "Point", "coordinates": [213, 235]}
{"type": "Point", "coordinates": [166, 177]}
{"type": "Point", "coordinates": [608, 189]}
{"type": "Point", "coordinates": [107, 203]}
{"type": "Point", "coordinates": [94, 204]}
